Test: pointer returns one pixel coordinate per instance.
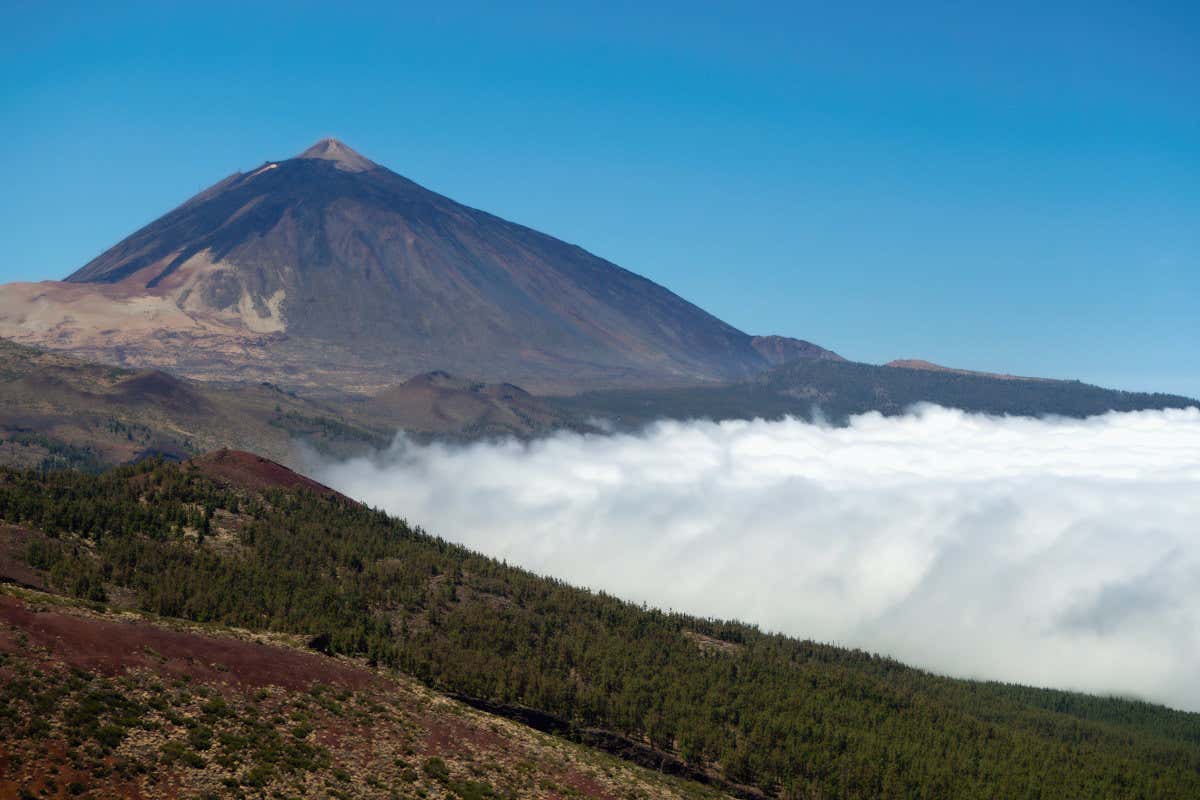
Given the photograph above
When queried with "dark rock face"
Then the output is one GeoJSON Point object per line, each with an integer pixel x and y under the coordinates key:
{"type": "Point", "coordinates": [371, 272]}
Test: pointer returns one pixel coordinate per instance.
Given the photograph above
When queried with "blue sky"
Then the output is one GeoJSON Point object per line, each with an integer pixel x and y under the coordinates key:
{"type": "Point", "coordinates": [1014, 189]}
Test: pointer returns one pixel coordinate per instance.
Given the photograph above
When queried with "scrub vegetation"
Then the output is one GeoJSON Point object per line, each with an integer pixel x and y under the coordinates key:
{"type": "Point", "coordinates": [716, 701]}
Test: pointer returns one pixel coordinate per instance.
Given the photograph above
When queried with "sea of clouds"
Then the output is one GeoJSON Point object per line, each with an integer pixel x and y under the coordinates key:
{"type": "Point", "coordinates": [1053, 552]}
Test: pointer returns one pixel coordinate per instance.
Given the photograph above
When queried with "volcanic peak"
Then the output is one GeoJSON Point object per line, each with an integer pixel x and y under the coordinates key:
{"type": "Point", "coordinates": [341, 154]}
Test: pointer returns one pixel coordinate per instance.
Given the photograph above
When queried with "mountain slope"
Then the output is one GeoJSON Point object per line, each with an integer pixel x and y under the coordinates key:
{"type": "Point", "coordinates": [59, 411]}
{"type": "Point", "coordinates": [440, 403]}
{"type": "Point", "coordinates": [747, 711]}
{"type": "Point", "coordinates": [836, 390]}
{"type": "Point", "coordinates": [328, 269]}
{"type": "Point", "coordinates": [102, 705]}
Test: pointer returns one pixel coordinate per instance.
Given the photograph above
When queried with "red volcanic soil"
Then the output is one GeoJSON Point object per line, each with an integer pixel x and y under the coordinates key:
{"type": "Point", "coordinates": [248, 471]}
{"type": "Point", "coordinates": [106, 646]}
{"type": "Point", "coordinates": [372, 728]}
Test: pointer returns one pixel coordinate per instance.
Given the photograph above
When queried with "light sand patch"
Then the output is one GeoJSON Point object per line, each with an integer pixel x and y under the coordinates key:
{"type": "Point", "coordinates": [253, 318]}
{"type": "Point", "coordinates": [100, 316]}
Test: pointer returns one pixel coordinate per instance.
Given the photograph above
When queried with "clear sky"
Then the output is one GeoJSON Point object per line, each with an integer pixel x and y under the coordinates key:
{"type": "Point", "coordinates": [1014, 189]}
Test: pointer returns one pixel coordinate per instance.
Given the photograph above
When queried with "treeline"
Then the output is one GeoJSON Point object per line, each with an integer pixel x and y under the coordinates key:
{"type": "Point", "coordinates": [795, 718]}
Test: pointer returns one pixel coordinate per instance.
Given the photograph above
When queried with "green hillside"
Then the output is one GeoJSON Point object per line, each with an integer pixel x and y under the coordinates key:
{"type": "Point", "coordinates": [792, 718]}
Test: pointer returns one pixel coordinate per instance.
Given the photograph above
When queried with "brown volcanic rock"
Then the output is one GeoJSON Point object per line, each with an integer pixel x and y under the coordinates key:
{"type": "Point", "coordinates": [157, 388]}
{"type": "Point", "coordinates": [342, 156]}
{"type": "Point", "coordinates": [330, 270]}
{"type": "Point", "coordinates": [255, 473]}
{"type": "Point", "coordinates": [440, 403]}
{"type": "Point", "coordinates": [111, 647]}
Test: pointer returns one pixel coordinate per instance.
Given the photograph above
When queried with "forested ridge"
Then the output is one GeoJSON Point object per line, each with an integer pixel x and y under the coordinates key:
{"type": "Point", "coordinates": [794, 718]}
{"type": "Point", "coordinates": [837, 390]}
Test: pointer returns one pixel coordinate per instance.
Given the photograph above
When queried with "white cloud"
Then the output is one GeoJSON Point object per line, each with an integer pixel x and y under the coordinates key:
{"type": "Point", "coordinates": [1050, 552]}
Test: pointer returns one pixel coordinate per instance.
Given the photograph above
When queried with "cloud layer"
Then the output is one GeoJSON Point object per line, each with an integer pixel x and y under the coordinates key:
{"type": "Point", "coordinates": [1052, 552]}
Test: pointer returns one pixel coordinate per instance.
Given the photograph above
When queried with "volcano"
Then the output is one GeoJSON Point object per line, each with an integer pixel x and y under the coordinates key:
{"type": "Point", "coordinates": [329, 270]}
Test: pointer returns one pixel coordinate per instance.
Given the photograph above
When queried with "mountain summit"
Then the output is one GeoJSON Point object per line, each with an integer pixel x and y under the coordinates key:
{"type": "Point", "coordinates": [344, 157]}
{"type": "Point", "coordinates": [329, 270]}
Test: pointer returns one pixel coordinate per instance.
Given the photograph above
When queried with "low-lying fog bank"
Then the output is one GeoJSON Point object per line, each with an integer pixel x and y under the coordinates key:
{"type": "Point", "coordinates": [1051, 552]}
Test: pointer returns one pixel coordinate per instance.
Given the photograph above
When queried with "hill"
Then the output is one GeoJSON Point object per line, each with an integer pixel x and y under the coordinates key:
{"type": "Point", "coordinates": [58, 411]}
{"type": "Point", "coordinates": [918, 363]}
{"type": "Point", "coordinates": [437, 403]}
{"type": "Point", "coordinates": [836, 390]}
{"type": "Point", "coordinates": [328, 270]}
{"type": "Point", "coordinates": [718, 701]}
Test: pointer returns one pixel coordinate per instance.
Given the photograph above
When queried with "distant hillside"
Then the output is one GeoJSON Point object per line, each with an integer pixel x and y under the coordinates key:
{"type": "Point", "coordinates": [917, 363]}
{"type": "Point", "coordinates": [836, 390]}
{"type": "Point", "coordinates": [327, 270]}
{"type": "Point", "coordinates": [437, 403]}
{"type": "Point", "coordinates": [718, 702]}
{"type": "Point", "coordinates": [58, 411]}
